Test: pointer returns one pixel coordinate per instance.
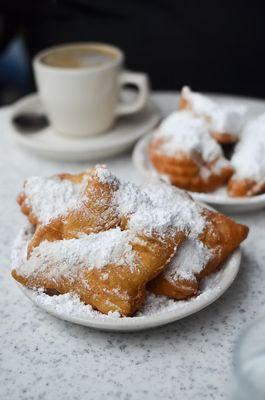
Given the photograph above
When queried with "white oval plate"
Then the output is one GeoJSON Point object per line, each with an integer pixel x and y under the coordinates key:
{"type": "Point", "coordinates": [46, 142]}
{"type": "Point", "coordinates": [218, 198]}
{"type": "Point", "coordinates": [165, 311]}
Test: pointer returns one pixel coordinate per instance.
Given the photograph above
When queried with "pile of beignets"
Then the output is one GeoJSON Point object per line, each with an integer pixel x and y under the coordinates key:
{"type": "Point", "coordinates": [188, 147]}
{"type": "Point", "coordinates": [109, 242]}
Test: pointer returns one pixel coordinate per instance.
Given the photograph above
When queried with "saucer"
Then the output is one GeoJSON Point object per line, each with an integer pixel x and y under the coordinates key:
{"type": "Point", "coordinates": [46, 142]}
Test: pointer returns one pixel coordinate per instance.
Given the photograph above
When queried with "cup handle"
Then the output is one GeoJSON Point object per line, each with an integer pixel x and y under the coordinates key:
{"type": "Point", "coordinates": [141, 82]}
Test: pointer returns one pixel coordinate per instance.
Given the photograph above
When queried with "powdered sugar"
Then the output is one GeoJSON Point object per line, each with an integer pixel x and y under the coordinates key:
{"type": "Point", "coordinates": [248, 159]}
{"type": "Point", "coordinates": [190, 259]}
{"type": "Point", "coordinates": [70, 305]}
{"type": "Point", "coordinates": [104, 175]}
{"type": "Point", "coordinates": [192, 256]}
{"type": "Point", "coordinates": [155, 305]}
{"type": "Point", "coordinates": [52, 196]}
{"type": "Point", "coordinates": [220, 163]}
{"type": "Point", "coordinates": [221, 118]}
{"type": "Point", "coordinates": [128, 197]}
{"type": "Point", "coordinates": [154, 208]}
{"type": "Point", "coordinates": [19, 250]}
{"type": "Point", "coordinates": [158, 207]}
{"type": "Point", "coordinates": [182, 211]}
{"type": "Point", "coordinates": [182, 132]}
{"type": "Point", "coordinates": [92, 251]}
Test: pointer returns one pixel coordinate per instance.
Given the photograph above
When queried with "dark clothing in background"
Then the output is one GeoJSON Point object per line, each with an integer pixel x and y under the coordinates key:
{"type": "Point", "coordinates": [212, 45]}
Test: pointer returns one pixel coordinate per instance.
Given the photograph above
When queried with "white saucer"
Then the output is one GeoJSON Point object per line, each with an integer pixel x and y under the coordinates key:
{"type": "Point", "coordinates": [166, 310]}
{"type": "Point", "coordinates": [219, 198]}
{"type": "Point", "coordinates": [126, 131]}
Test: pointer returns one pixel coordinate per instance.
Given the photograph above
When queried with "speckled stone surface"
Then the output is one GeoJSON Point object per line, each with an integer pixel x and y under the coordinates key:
{"type": "Point", "coordinates": [43, 358]}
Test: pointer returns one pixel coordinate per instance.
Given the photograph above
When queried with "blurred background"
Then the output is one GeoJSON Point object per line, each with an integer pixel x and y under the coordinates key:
{"type": "Point", "coordinates": [214, 46]}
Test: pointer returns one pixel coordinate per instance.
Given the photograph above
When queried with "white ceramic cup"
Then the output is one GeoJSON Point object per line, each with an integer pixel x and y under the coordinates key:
{"type": "Point", "coordinates": [85, 100]}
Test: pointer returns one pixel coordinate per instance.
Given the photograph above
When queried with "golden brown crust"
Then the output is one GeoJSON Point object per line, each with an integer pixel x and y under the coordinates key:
{"type": "Point", "coordinates": [245, 187]}
{"type": "Point", "coordinates": [224, 138]}
{"type": "Point", "coordinates": [184, 172]}
{"type": "Point", "coordinates": [180, 289]}
{"type": "Point", "coordinates": [222, 236]}
{"type": "Point", "coordinates": [94, 215]}
{"type": "Point", "coordinates": [23, 201]}
{"type": "Point", "coordinates": [26, 209]}
{"type": "Point", "coordinates": [184, 104]}
{"type": "Point", "coordinates": [124, 289]}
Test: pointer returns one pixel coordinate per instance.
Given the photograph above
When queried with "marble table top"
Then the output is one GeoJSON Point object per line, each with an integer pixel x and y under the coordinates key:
{"type": "Point", "coordinates": [42, 357]}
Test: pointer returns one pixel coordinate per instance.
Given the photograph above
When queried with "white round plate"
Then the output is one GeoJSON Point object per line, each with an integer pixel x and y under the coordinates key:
{"type": "Point", "coordinates": [219, 198]}
{"type": "Point", "coordinates": [46, 142]}
{"type": "Point", "coordinates": [165, 310]}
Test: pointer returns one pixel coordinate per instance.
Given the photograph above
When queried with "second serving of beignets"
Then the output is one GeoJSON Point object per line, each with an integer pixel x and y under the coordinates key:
{"type": "Point", "coordinates": [225, 121]}
{"type": "Point", "coordinates": [249, 162]}
{"type": "Point", "coordinates": [183, 150]}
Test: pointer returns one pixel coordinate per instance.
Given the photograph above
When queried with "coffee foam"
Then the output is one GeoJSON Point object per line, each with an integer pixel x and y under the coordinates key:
{"type": "Point", "coordinates": [85, 56]}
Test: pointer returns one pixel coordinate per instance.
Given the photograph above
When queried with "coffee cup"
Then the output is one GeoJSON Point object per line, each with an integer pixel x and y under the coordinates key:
{"type": "Point", "coordinates": [80, 86]}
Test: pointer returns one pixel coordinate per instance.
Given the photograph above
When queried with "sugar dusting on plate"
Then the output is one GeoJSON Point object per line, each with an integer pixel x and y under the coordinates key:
{"type": "Point", "coordinates": [69, 304]}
